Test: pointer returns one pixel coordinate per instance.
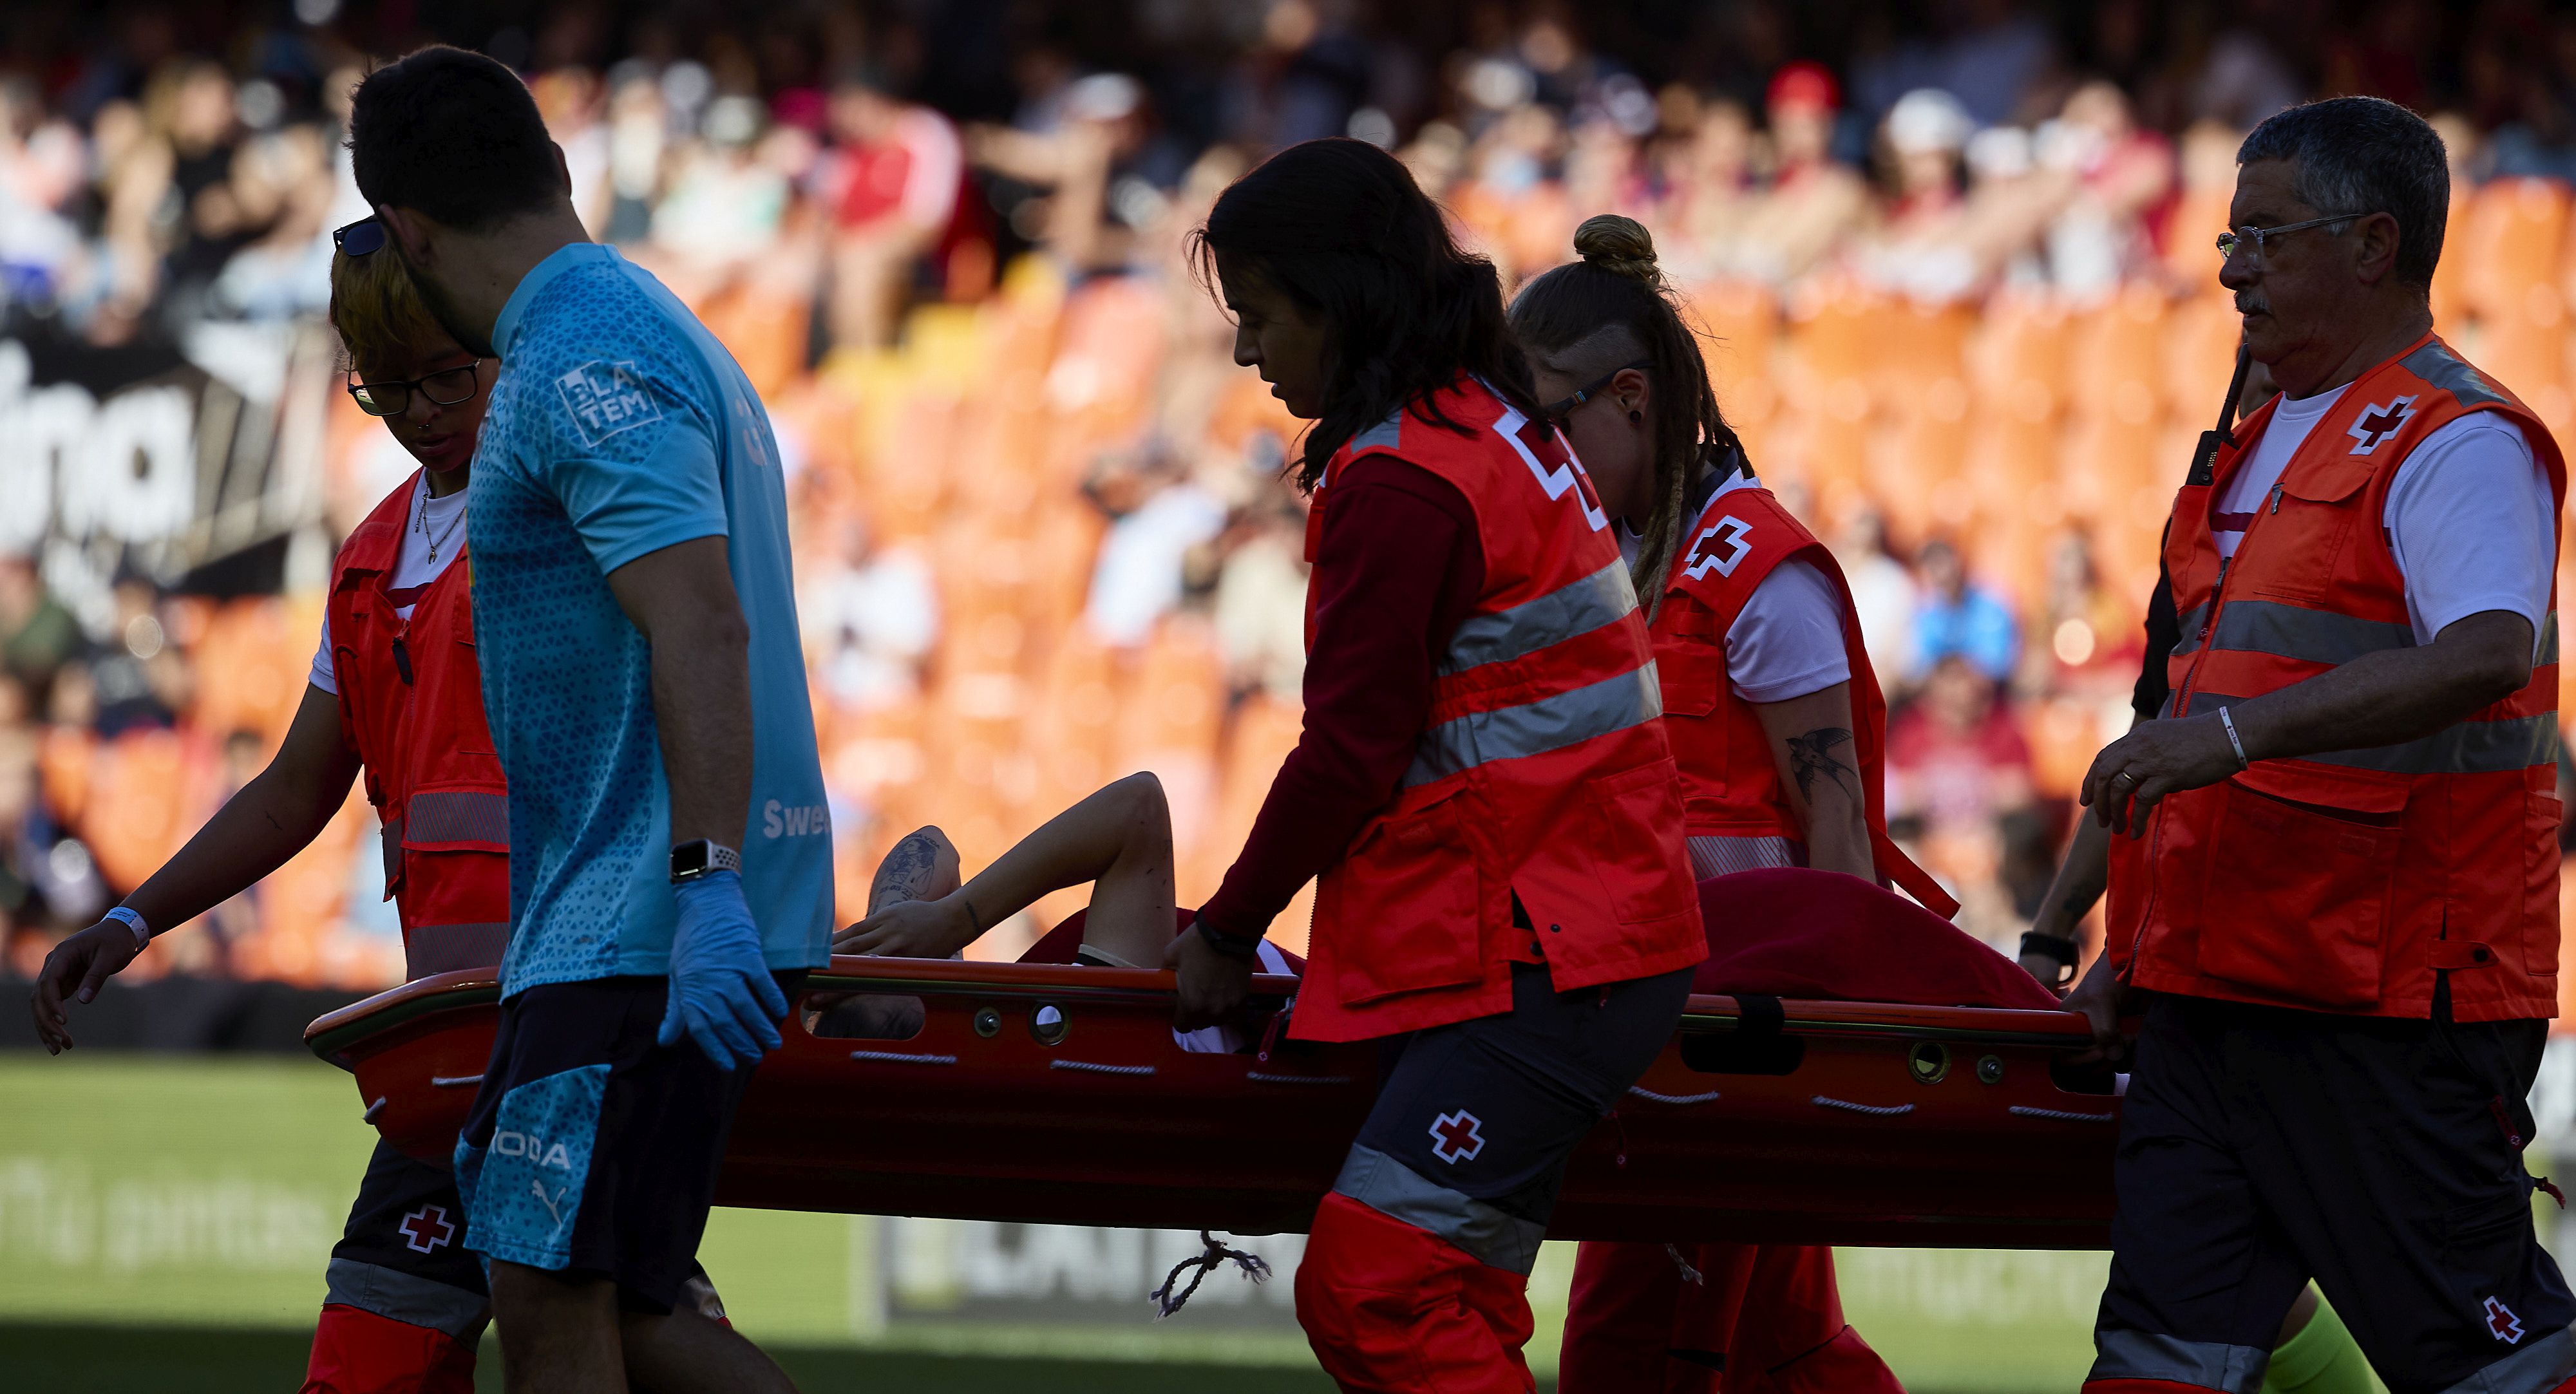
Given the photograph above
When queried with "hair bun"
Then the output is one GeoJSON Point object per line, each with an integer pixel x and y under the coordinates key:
{"type": "Point", "coordinates": [1620, 246]}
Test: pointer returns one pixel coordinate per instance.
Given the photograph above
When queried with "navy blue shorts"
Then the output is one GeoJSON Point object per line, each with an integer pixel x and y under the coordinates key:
{"type": "Point", "coordinates": [2260, 1148]}
{"type": "Point", "coordinates": [1474, 1121]}
{"type": "Point", "coordinates": [591, 1148]}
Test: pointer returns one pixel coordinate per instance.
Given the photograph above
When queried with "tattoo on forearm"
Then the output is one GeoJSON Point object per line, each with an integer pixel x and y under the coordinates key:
{"type": "Point", "coordinates": [1811, 757]}
{"type": "Point", "coordinates": [906, 871]}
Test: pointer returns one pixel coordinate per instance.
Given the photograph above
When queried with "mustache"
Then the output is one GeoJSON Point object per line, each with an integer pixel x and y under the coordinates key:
{"type": "Point", "coordinates": [2251, 307]}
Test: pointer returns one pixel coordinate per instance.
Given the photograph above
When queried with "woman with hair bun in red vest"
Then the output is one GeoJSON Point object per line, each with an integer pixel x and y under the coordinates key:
{"type": "Point", "coordinates": [1778, 726]}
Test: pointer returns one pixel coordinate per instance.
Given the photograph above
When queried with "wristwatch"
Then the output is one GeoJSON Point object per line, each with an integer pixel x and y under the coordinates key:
{"type": "Point", "coordinates": [701, 857]}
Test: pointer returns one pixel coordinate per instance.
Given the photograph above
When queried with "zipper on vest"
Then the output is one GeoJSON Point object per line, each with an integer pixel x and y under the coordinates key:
{"type": "Point", "coordinates": [2276, 507]}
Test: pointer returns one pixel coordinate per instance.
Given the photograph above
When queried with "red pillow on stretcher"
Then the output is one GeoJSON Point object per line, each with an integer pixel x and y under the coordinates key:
{"type": "Point", "coordinates": [1794, 932]}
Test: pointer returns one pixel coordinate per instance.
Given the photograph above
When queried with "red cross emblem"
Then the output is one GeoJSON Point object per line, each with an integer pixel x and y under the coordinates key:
{"type": "Point", "coordinates": [1727, 533]}
{"type": "Point", "coordinates": [1455, 1137]}
{"type": "Point", "coordinates": [2502, 1323]}
{"type": "Point", "coordinates": [426, 1230]}
{"type": "Point", "coordinates": [2378, 423]}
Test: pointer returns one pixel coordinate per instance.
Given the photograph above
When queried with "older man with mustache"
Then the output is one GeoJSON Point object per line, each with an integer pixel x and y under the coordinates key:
{"type": "Point", "coordinates": [2336, 896]}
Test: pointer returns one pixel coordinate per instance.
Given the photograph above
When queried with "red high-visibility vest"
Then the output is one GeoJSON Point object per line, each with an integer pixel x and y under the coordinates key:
{"type": "Point", "coordinates": [2345, 881]}
{"type": "Point", "coordinates": [1542, 773]}
{"type": "Point", "coordinates": [1730, 785]}
{"type": "Point", "coordinates": [411, 705]}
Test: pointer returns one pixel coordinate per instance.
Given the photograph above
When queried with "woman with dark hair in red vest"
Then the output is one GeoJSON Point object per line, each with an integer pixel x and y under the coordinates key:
{"type": "Point", "coordinates": [1778, 726]}
{"type": "Point", "coordinates": [1482, 786]}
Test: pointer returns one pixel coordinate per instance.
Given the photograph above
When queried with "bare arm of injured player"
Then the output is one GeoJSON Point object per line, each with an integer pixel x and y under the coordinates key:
{"type": "Point", "coordinates": [1119, 839]}
{"type": "Point", "coordinates": [1812, 747]}
{"type": "Point", "coordinates": [273, 817]}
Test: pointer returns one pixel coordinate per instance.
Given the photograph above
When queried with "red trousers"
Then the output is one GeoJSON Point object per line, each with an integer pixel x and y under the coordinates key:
{"type": "Point", "coordinates": [1393, 1309]}
{"type": "Point", "coordinates": [356, 1351]}
{"type": "Point", "coordinates": [1765, 1319]}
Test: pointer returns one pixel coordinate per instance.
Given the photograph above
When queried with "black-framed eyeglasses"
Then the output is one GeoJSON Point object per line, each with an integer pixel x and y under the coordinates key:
{"type": "Point", "coordinates": [2235, 240]}
{"type": "Point", "coordinates": [446, 388]}
{"type": "Point", "coordinates": [364, 237]}
{"type": "Point", "coordinates": [1558, 410]}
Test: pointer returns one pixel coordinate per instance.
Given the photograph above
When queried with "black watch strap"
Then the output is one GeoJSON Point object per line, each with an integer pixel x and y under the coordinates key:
{"type": "Point", "coordinates": [2049, 946]}
{"type": "Point", "coordinates": [1241, 950]}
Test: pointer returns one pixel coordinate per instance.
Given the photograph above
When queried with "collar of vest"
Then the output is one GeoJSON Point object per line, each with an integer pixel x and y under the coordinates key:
{"type": "Point", "coordinates": [375, 544]}
{"type": "Point", "coordinates": [2428, 359]}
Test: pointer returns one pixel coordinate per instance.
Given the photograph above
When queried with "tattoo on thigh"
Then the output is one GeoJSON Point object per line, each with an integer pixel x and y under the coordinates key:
{"type": "Point", "coordinates": [906, 871]}
{"type": "Point", "coordinates": [1812, 757]}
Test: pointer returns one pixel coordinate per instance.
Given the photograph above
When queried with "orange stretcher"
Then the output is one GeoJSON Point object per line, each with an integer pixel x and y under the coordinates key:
{"type": "Point", "coordinates": [1052, 1094]}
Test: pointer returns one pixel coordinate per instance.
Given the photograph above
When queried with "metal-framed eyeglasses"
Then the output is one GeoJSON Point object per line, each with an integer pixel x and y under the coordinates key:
{"type": "Point", "coordinates": [2235, 240]}
{"type": "Point", "coordinates": [446, 388]}
{"type": "Point", "coordinates": [1555, 412]}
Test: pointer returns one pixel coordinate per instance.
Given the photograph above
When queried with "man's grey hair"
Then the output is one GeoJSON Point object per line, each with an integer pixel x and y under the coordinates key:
{"type": "Point", "coordinates": [2361, 155]}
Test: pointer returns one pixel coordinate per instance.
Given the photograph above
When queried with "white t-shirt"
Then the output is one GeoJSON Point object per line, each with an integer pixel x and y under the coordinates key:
{"type": "Point", "coordinates": [444, 521]}
{"type": "Point", "coordinates": [2469, 515]}
{"type": "Point", "coordinates": [1787, 641]}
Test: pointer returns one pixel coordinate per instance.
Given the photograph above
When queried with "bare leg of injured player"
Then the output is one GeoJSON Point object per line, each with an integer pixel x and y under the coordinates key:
{"type": "Point", "coordinates": [1119, 839]}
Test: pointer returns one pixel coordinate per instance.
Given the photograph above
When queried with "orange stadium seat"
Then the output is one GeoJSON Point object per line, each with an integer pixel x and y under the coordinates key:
{"type": "Point", "coordinates": [2017, 358]}
{"type": "Point", "coordinates": [2523, 342]}
{"type": "Point", "coordinates": [2516, 238]}
{"type": "Point", "coordinates": [140, 806]}
{"type": "Point", "coordinates": [1739, 322]}
{"type": "Point", "coordinates": [252, 666]}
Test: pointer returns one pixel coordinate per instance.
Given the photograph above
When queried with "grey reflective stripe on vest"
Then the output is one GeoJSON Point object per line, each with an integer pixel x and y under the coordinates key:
{"type": "Point", "coordinates": [1533, 728]}
{"type": "Point", "coordinates": [2207, 1364]}
{"type": "Point", "coordinates": [1397, 1191]}
{"type": "Point", "coordinates": [1382, 435]}
{"type": "Point", "coordinates": [444, 948]}
{"type": "Point", "coordinates": [391, 835]}
{"type": "Point", "coordinates": [2438, 366]}
{"type": "Point", "coordinates": [2537, 1368]}
{"type": "Point", "coordinates": [404, 1297]}
{"type": "Point", "coordinates": [458, 815]}
{"type": "Point", "coordinates": [2188, 629]}
{"type": "Point", "coordinates": [1718, 855]}
{"type": "Point", "coordinates": [2309, 636]}
{"type": "Point", "coordinates": [2546, 650]}
{"type": "Point", "coordinates": [1604, 597]}
{"type": "Point", "coordinates": [2465, 747]}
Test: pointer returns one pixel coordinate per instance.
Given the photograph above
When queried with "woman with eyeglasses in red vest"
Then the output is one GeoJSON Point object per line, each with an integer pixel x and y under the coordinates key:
{"type": "Point", "coordinates": [1482, 788]}
{"type": "Point", "coordinates": [396, 696]}
{"type": "Point", "coordinates": [1777, 722]}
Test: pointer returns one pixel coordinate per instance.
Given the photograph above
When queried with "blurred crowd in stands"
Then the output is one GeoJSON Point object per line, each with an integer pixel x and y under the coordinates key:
{"type": "Point", "coordinates": [1954, 260]}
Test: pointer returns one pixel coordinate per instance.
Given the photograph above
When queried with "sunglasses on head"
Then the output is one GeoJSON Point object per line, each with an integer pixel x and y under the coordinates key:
{"type": "Point", "coordinates": [364, 237]}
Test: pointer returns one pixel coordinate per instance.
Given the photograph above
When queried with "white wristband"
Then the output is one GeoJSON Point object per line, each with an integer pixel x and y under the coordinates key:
{"type": "Point", "coordinates": [126, 916]}
{"type": "Point", "coordinates": [2230, 723]}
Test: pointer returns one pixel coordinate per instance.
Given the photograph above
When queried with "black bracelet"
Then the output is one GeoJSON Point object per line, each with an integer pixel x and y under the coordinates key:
{"type": "Point", "coordinates": [2063, 952]}
{"type": "Point", "coordinates": [1240, 950]}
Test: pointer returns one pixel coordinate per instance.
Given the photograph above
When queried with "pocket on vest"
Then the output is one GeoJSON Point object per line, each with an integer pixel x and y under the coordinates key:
{"type": "Point", "coordinates": [1416, 871]}
{"type": "Point", "coordinates": [2304, 896]}
{"type": "Point", "coordinates": [2543, 815]}
{"type": "Point", "coordinates": [1636, 843]}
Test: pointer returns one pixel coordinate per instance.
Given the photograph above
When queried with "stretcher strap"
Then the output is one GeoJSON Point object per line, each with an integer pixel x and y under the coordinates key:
{"type": "Point", "coordinates": [1873, 1110]}
{"type": "Point", "coordinates": [1689, 1274]}
{"type": "Point", "coordinates": [1652, 1097]}
{"type": "Point", "coordinates": [1211, 1256]}
{"type": "Point", "coordinates": [903, 1057]}
{"type": "Point", "coordinates": [1090, 1067]}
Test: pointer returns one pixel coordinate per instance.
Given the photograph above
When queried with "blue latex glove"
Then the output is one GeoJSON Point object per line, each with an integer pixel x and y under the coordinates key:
{"type": "Point", "coordinates": [722, 996]}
